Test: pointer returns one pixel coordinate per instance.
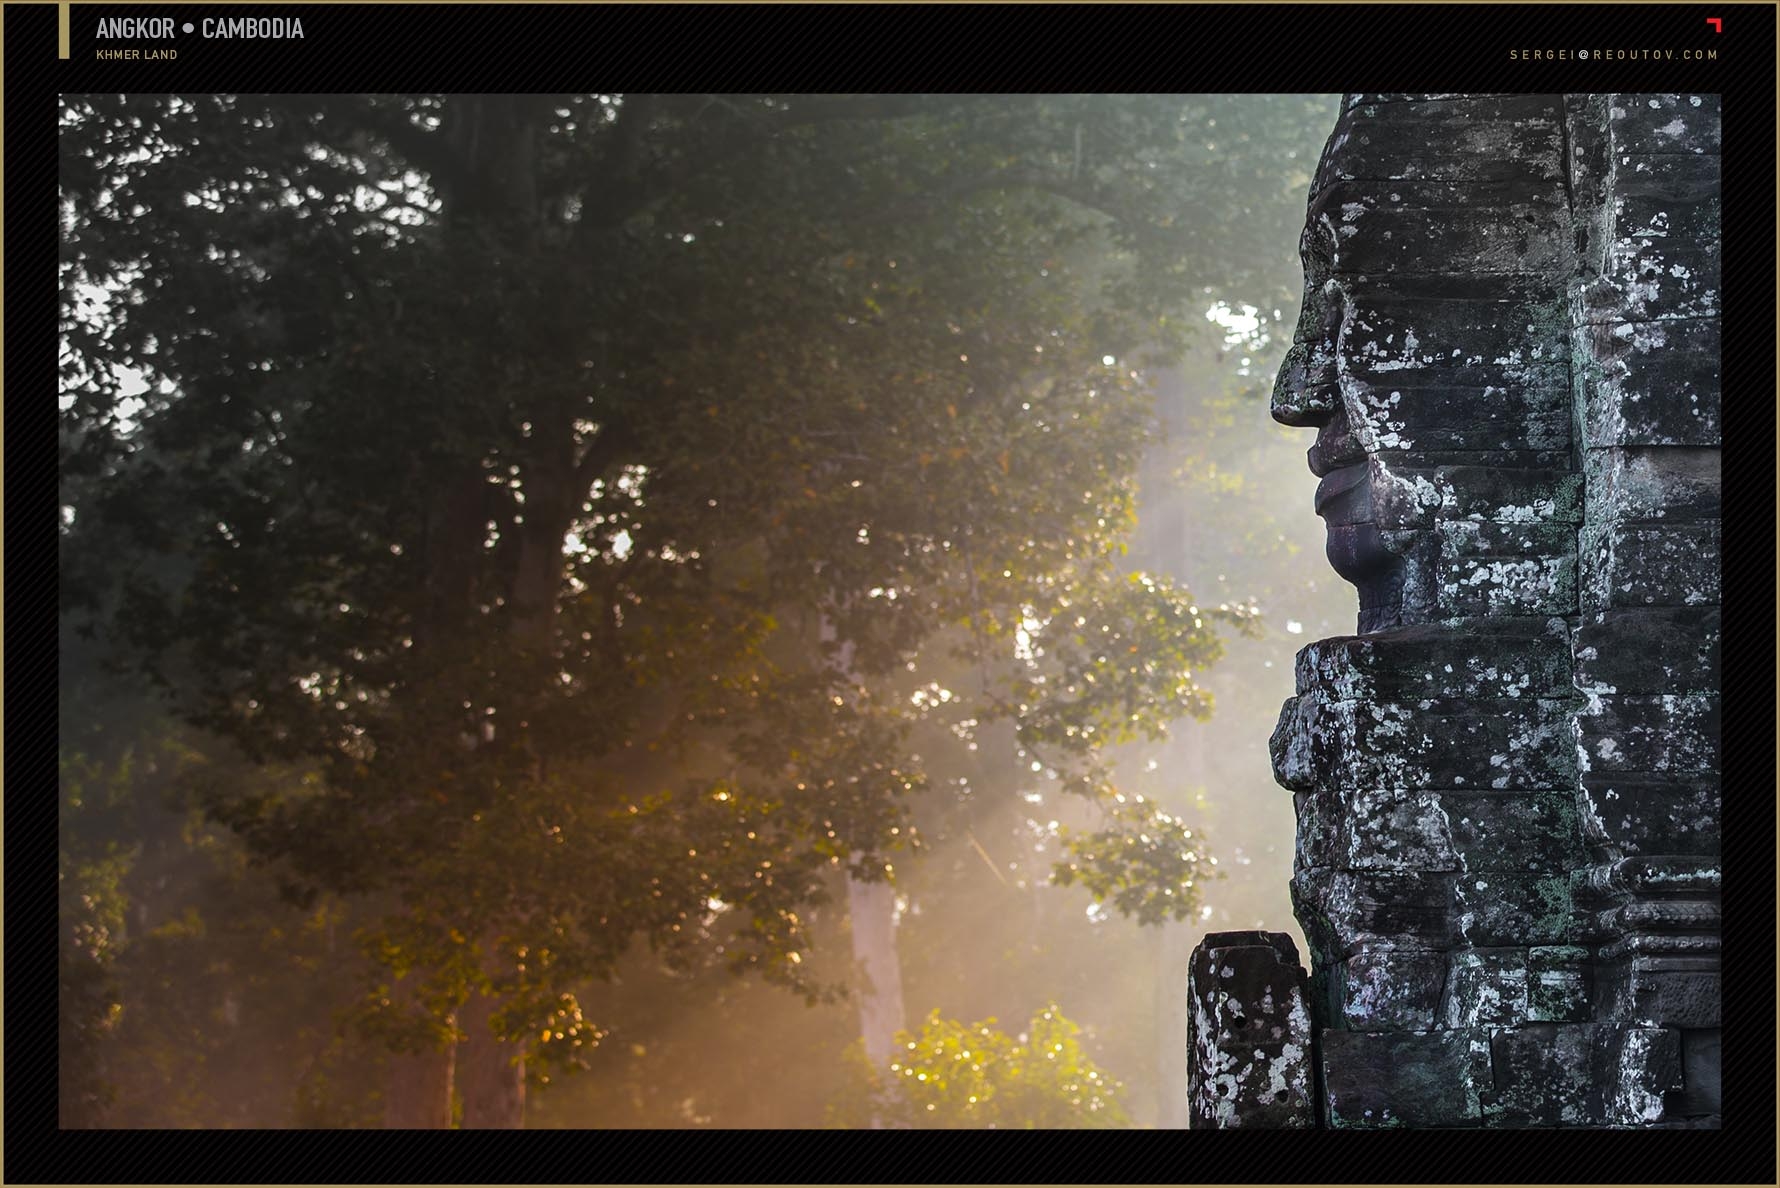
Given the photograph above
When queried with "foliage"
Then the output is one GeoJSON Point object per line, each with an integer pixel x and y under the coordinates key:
{"type": "Point", "coordinates": [951, 1076]}
{"type": "Point", "coordinates": [90, 909]}
{"type": "Point", "coordinates": [192, 994]}
{"type": "Point", "coordinates": [583, 488]}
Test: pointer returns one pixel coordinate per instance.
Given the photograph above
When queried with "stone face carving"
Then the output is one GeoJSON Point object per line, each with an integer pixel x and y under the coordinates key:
{"type": "Point", "coordinates": [1507, 783]}
{"type": "Point", "coordinates": [1432, 356]}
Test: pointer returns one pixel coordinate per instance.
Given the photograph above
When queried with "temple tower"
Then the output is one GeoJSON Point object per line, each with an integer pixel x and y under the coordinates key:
{"type": "Point", "coordinates": [1506, 782]}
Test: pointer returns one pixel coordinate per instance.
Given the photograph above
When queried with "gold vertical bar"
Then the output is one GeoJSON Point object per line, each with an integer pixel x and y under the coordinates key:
{"type": "Point", "coordinates": [62, 37]}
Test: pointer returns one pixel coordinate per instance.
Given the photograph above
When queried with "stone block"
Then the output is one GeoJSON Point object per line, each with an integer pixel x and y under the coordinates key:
{"type": "Point", "coordinates": [1343, 911]}
{"type": "Point", "coordinates": [1505, 908]}
{"type": "Point", "coordinates": [1501, 200]}
{"type": "Point", "coordinates": [1700, 1094]}
{"type": "Point", "coordinates": [1543, 1075]}
{"type": "Point", "coordinates": [1394, 830]}
{"type": "Point", "coordinates": [1418, 233]}
{"type": "Point", "coordinates": [1659, 650]}
{"type": "Point", "coordinates": [1404, 1079]}
{"type": "Point", "coordinates": [1653, 283]}
{"type": "Point", "coordinates": [1506, 569]}
{"type": "Point", "coordinates": [1387, 988]}
{"type": "Point", "coordinates": [1484, 988]}
{"type": "Point", "coordinates": [1525, 832]}
{"type": "Point", "coordinates": [1476, 538]}
{"type": "Point", "coordinates": [1638, 813]}
{"type": "Point", "coordinates": [1683, 214]}
{"type": "Point", "coordinates": [1561, 1075]}
{"type": "Point", "coordinates": [1635, 1068]}
{"type": "Point", "coordinates": [1661, 990]}
{"type": "Point", "coordinates": [1559, 978]}
{"type": "Point", "coordinates": [1450, 139]}
{"type": "Point", "coordinates": [1471, 155]}
{"type": "Point", "coordinates": [1512, 659]}
{"type": "Point", "coordinates": [1505, 496]}
{"type": "Point", "coordinates": [1671, 123]}
{"type": "Point", "coordinates": [1506, 586]}
{"type": "Point", "coordinates": [1668, 735]}
{"type": "Point", "coordinates": [1655, 279]}
{"type": "Point", "coordinates": [1249, 1032]}
{"type": "Point", "coordinates": [1431, 410]}
{"type": "Point", "coordinates": [1665, 173]}
{"type": "Point", "coordinates": [1651, 383]}
{"type": "Point", "coordinates": [1634, 565]}
{"type": "Point", "coordinates": [1667, 925]}
{"type": "Point", "coordinates": [1668, 483]}
{"type": "Point", "coordinates": [1289, 746]}
{"type": "Point", "coordinates": [1677, 878]}
{"type": "Point", "coordinates": [1470, 330]}
{"type": "Point", "coordinates": [1320, 837]}
{"type": "Point", "coordinates": [1462, 745]}
{"type": "Point", "coordinates": [1247, 984]}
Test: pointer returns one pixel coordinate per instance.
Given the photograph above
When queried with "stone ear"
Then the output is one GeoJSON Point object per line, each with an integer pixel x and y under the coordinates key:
{"type": "Point", "coordinates": [1332, 308]}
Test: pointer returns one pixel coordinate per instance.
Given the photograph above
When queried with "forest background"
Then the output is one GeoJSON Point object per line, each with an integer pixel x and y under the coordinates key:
{"type": "Point", "coordinates": [612, 606]}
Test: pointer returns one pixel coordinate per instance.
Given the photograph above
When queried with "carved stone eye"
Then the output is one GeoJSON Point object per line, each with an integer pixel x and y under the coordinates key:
{"type": "Point", "coordinates": [1318, 248]}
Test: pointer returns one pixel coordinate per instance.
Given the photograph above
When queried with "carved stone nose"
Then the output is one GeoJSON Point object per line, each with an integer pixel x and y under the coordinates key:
{"type": "Point", "coordinates": [1305, 394]}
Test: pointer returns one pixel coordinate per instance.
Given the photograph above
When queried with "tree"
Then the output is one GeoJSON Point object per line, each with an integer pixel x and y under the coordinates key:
{"type": "Point", "coordinates": [574, 480]}
{"type": "Point", "coordinates": [952, 1076]}
{"type": "Point", "coordinates": [192, 994]}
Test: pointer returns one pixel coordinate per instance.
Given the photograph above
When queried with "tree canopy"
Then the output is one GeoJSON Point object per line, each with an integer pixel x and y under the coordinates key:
{"type": "Point", "coordinates": [596, 493]}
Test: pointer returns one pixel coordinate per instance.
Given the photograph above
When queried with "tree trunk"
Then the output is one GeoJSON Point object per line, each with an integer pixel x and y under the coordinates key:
{"type": "Point", "coordinates": [484, 168]}
{"type": "Point", "coordinates": [490, 1071]}
{"type": "Point", "coordinates": [1176, 951]}
{"type": "Point", "coordinates": [419, 1090]}
{"type": "Point", "coordinates": [1175, 947]}
{"type": "Point", "coordinates": [873, 909]}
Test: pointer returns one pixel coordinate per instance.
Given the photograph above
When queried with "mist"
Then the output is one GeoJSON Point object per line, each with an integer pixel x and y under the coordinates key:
{"type": "Point", "coordinates": [783, 780]}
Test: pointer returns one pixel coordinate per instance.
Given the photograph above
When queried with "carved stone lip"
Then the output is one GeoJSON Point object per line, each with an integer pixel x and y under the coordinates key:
{"type": "Point", "coordinates": [1338, 482]}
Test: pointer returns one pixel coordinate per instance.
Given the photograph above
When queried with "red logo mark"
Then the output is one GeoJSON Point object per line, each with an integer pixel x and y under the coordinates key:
{"type": "Point", "coordinates": [1717, 24]}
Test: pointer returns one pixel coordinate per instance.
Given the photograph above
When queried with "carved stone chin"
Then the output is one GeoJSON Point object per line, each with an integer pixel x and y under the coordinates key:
{"type": "Point", "coordinates": [1357, 552]}
{"type": "Point", "coordinates": [1355, 547]}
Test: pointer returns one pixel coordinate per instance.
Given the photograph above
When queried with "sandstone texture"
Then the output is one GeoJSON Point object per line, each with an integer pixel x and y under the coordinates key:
{"type": "Point", "coordinates": [1507, 781]}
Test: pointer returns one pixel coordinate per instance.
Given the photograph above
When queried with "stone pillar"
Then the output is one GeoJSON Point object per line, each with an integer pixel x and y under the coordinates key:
{"type": "Point", "coordinates": [1645, 333]}
{"type": "Point", "coordinates": [1506, 783]}
{"type": "Point", "coordinates": [1248, 1034]}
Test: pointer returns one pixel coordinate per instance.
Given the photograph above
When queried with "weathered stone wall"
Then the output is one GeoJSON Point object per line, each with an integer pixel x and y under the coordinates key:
{"type": "Point", "coordinates": [1506, 785]}
{"type": "Point", "coordinates": [1644, 651]}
